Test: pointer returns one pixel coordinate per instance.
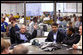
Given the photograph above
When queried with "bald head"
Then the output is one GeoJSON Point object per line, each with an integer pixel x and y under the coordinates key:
{"type": "Point", "coordinates": [20, 49]}
{"type": "Point", "coordinates": [23, 26]}
{"type": "Point", "coordinates": [23, 29]}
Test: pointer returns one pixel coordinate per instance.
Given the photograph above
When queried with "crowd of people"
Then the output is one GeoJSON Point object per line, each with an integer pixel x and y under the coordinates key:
{"type": "Point", "coordinates": [65, 30]}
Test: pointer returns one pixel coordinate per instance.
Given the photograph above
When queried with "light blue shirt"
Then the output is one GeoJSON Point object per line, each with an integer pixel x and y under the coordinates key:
{"type": "Point", "coordinates": [22, 37]}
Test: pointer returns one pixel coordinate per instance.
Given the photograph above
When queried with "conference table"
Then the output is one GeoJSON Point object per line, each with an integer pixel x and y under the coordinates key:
{"type": "Point", "coordinates": [37, 50]}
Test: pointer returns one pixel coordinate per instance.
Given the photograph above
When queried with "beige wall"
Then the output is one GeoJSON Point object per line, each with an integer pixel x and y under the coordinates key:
{"type": "Point", "coordinates": [19, 8]}
{"type": "Point", "coordinates": [12, 8]}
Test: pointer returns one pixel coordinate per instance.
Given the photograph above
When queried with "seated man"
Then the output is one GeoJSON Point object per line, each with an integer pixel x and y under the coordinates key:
{"type": "Point", "coordinates": [79, 44]}
{"type": "Point", "coordinates": [72, 37]}
{"type": "Point", "coordinates": [23, 36]}
{"type": "Point", "coordinates": [56, 35]}
{"type": "Point", "coordinates": [4, 46]}
{"type": "Point", "coordinates": [20, 49]}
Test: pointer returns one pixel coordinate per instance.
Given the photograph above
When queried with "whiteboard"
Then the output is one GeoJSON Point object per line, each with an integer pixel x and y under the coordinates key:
{"type": "Point", "coordinates": [47, 7]}
{"type": "Point", "coordinates": [37, 9]}
{"type": "Point", "coordinates": [33, 9]}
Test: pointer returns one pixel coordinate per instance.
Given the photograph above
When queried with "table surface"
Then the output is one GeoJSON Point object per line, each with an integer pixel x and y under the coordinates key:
{"type": "Point", "coordinates": [36, 50]}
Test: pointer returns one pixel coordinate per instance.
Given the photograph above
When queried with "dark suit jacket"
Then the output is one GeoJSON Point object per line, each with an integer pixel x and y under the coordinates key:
{"type": "Point", "coordinates": [61, 34]}
{"type": "Point", "coordinates": [12, 34]}
{"type": "Point", "coordinates": [72, 39]}
{"type": "Point", "coordinates": [27, 35]}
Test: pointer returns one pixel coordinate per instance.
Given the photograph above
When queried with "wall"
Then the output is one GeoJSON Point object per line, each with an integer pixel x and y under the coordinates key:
{"type": "Point", "coordinates": [19, 8]}
{"type": "Point", "coordinates": [68, 9]}
{"type": "Point", "coordinates": [12, 8]}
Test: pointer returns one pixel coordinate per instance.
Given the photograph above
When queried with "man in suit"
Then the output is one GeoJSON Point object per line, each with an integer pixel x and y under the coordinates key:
{"type": "Point", "coordinates": [56, 35]}
{"type": "Point", "coordinates": [23, 36]}
{"type": "Point", "coordinates": [72, 37]}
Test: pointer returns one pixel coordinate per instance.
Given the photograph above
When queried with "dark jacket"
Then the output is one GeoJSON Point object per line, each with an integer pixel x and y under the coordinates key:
{"type": "Point", "coordinates": [12, 33]}
{"type": "Point", "coordinates": [61, 34]}
{"type": "Point", "coordinates": [27, 35]}
{"type": "Point", "coordinates": [72, 39]}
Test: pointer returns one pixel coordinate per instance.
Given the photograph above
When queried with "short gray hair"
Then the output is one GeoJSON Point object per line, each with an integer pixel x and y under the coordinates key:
{"type": "Point", "coordinates": [20, 49]}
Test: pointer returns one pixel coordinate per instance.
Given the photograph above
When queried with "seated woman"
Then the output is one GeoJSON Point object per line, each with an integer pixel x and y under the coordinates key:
{"type": "Point", "coordinates": [79, 45]}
